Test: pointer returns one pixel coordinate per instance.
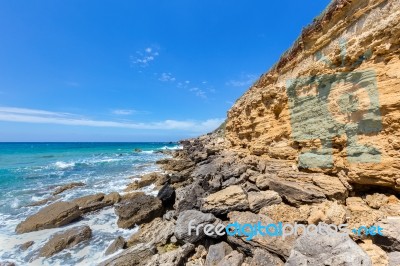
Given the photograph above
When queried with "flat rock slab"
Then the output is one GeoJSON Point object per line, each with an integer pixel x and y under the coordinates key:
{"type": "Point", "coordinates": [63, 188]}
{"type": "Point", "coordinates": [232, 198]}
{"type": "Point", "coordinates": [67, 239]}
{"type": "Point", "coordinates": [52, 216]}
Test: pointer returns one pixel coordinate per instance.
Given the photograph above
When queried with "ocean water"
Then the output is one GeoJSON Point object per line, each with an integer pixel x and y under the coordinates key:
{"type": "Point", "coordinates": [30, 172]}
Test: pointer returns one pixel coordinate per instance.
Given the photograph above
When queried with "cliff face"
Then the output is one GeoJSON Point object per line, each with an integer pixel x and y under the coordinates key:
{"type": "Point", "coordinates": [332, 102]}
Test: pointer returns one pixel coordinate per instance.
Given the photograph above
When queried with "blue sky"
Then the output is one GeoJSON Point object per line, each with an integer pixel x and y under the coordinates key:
{"type": "Point", "coordinates": [135, 70]}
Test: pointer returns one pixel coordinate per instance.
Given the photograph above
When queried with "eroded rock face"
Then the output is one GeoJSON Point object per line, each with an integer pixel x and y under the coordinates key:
{"type": "Point", "coordinates": [226, 200]}
{"type": "Point", "coordinates": [54, 215]}
{"type": "Point", "coordinates": [335, 250]}
{"type": "Point", "coordinates": [66, 239]}
{"type": "Point", "coordinates": [139, 208]}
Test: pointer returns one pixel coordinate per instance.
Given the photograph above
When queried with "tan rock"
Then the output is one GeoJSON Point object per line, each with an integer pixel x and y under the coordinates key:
{"type": "Point", "coordinates": [360, 214]}
{"type": "Point", "coordinates": [63, 188]}
{"type": "Point", "coordinates": [157, 232]}
{"type": "Point", "coordinates": [257, 200]}
{"type": "Point", "coordinates": [376, 200]}
{"type": "Point", "coordinates": [328, 212]}
{"type": "Point", "coordinates": [226, 200]}
{"type": "Point", "coordinates": [285, 213]}
{"type": "Point", "coordinates": [377, 255]}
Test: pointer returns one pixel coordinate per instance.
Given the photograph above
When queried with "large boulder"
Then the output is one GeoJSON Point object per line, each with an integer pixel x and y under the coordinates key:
{"type": "Point", "coordinates": [189, 197]}
{"type": "Point", "coordinates": [92, 202]}
{"type": "Point", "coordinates": [66, 239]}
{"type": "Point", "coordinates": [232, 198]}
{"type": "Point", "coordinates": [140, 208]}
{"type": "Point", "coordinates": [195, 218]}
{"type": "Point", "coordinates": [333, 250]}
{"type": "Point", "coordinates": [157, 232]}
{"type": "Point", "coordinates": [54, 215]}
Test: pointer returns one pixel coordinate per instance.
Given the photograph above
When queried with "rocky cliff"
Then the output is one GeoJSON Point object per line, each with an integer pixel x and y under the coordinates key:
{"type": "Point", "coordinates": [332, 102]}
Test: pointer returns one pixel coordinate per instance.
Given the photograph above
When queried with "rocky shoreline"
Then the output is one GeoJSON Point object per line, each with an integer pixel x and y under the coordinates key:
{"type": "Point", "coordinates": [209, 184]}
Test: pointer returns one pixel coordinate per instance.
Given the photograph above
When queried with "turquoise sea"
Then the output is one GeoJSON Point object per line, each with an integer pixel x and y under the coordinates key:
{"type": "Point", "coordinates": [30, 172]}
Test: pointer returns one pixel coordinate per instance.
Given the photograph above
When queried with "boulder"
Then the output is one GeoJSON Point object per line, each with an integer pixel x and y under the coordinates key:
{"type": "Point", "coordinates": [229, 199]}
{"type": "Point", "coordinates": [333, 250]}
{"type": "Point", "coordinates": [197, 218]}
{"type": "Point", "coordinates": [262, 181]}
{"type": "Point", "coordinates": [327, 212]}
{"type": "Point", "coordinates": [147, 180]}
{"type": "Point", "coordinates": [331, 187]}
{"type": "Point", "coordinates": [137, 209]}
{"type": "Point", "coordinates": [376, 200]}
{"type": "Point", "coordinates": [189, 197]}
{"type": "Point", "coordinates": [377, 255]}
{"type": "Point", "coordinates": [257, 200]}
{"type": "Point", "coordinates": [156, 232]}
{"type": "Point", "coordinates": [171, 258]}
{"type": "Point", "coordinates": [261, 257]}
{"type": "Point", "coordinates": [390, 240]}
{"type": "Point", "coordinates": [216, 253]}
{"type": "Point", "coordinates": [136, 255]}
{"type": "Point", "coordinates": [113, 197]}
{"type": "Point", "coordinates": [167, 195]}
{"type": "Point", "coordinates": [63, 188]}
{"type": "Point", "coordinates": [43, 201]}
{"type": "Point", "coordinates": [92, 202]}
{"type": "Point", "coordinates": [26, 245]}
{"type": "Point", "coordinates": [66, 239]}
{"type": "Point", "coordinates": [117, 244]}
{"type": "Point", "coordinates": [297, 193]}
{"type": "Point", "coordinates": [232, 259]}
{"type": "Point", "coordinates": [54, 215]}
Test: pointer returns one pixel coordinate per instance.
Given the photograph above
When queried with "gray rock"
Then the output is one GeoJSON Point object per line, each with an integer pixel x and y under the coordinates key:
{"type": "Point", "coordinates": [261, 257]}
{"type": "Point", "coordinates": [166, 195]}
{"type": "Point", "coordinates": [217, 252]}
{"type": "Point", "coordinates": [7, 263]}
{"type": "Point", "coordinates": [390, 240]}
{"type": "Point", "coordinates": [333, 250]}
{"type": "Point", "coordinates": [394, 258]}
{"type": "Point", "coordinates": [257, 200]}
{"type": "Point", "coordinates": [52, 216]}
{"type": "Point", "coordinates": [171, 258]}
{"type": "Point", "coordinates": [26, 245]}
{"type": "Point", "coordinates": [66, 239]}
{"type": "Point", "coordinates": [116, 245]}
{"type": "Point", "coordinates": [232, 259]}
{"type": "Point", "coordinates": [297, 193]}
{"type": "Point", "coordinates": [188, 197]}
{"type": "Point", "coordinates": [182, 225]}
{"type": "Point", "coordinates": [136, 255]}
{"type": "Point", "coordinates": [139, 208]}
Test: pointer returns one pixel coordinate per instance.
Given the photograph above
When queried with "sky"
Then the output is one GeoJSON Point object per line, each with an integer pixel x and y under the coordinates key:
{"type": "Point", "coordinates": [135, 70]}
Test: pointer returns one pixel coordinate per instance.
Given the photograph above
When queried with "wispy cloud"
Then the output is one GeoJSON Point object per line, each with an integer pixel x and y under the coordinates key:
{"type": "Point", "coordinates": [123, 112]}
{"type": "Point", "coordinates": [143, 58]}
{"type": "Point", "coordinates": [199, 92]}
{"type": "Point", "coordinates": [165, 77]}
{"type": "Point", "coordinates": [243, 80]}
{"type": "Point", "coordinates": [25, 115]}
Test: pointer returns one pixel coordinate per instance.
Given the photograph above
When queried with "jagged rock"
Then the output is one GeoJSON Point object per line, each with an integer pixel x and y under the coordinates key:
{"type": "Point", "coordinates": [262, 181]}
{"type": "Point", "coordinates": [216, 253]}
{"type": "Point", "coordinates": [262, 257]}
{"type": "Point", "coordinates": [26, 245]}
{"type": "Point", "coordinates": [376, 200]}
{"type": "Point", "coordinates": [171, 258]}
{"type": "Point", "coordinates": [199, 257]}
{"type": "Point", "coordinates": [328, 212]}
{"type": "Point", "coordinates": [113, 197]}
{"type": "Point", "coordinates": [334, 250]}
{"type": "Point", "coordinates": [147, 180]}
{"type": "Point", "coordinates": [297, 193]}
{"type": "Point", "coordinates": [257, 200]}
{"type": "Point", "coordinates": [137, 209]}
{"type": "Point", "coordinates": [156, 232]}
{"type": "Point", "coordinates": [197, 218]}
{"type": "Point", "coordinates": [276, 245]}
{"type": "Point", "coordinates": [63, 188]}
{"type": "Point", "coordinates": [177, 165]}
{"type": "Point", "coordinates": [136, 255]}
{"type": "Point", "coordinates": [331, 187]}
{"type": "Point", "coordinates": [285, 213]}
{"type": "Point", "coordinates": [394, 258]}
{"type": "Point", "coordinates": [116, 245]}
{"type": "Point", "coordinates": [360, 214]}
{"type": "Point", "coordinates": [390, 240]}
{"type": "Point", "coordinates": [377, 255]}
{"type": "Point", "coordinates": [391, 207]}
{"type": "Point", "coordinates": [92, 202]}
{"type": "Point", "coordinates": [234, 258]}
{"type": "Point", "coordinates": [166, 195]}
{"type": "Point", "coordinates": [54, 215]}
{"type": "Point", "coordinates": [66, 239]}
{"type": "Point", "coordinates": [229, 199]}
{"type": "Point", "coordinates": [188, 197]}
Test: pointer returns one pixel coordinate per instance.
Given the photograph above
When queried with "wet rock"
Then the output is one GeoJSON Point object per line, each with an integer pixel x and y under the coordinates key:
{"type": "Point", "coordinates": [139, 208]}
{"type": "Point", "coordinates": [166, 195]}
{"type": "Point", "coordinates": [232, 259]}
{"type": "Point", "coordinates": [63, 188]}
{"type": "Point", "coordinates": [136, 255]}
{"type": "Point", "coordinates": [66, 239]}
{"type": "Point", "coordinates": [216, 253]}
{"type": "Point", "coordinates": [26, 245]}
{"type": "Point", "coordinates": [377, 255]}
{"type": "Point", "coordinates": [171, 258]}
{"type": "Point", "coordinates": [197, 218]}
{"type": "Point", "coordinates": [93, 202]}
{"type": "Point", "coordinates": [257, 200]}
{"type": "Point", "coordinates": [54, 215]}
{"type": "Point", "coordinates": [390, 240]}
{"type": "Point", "coordinates": [297, 193]}
{"type": "Point", "coordinates": [147, 180]}
{"type": "Point", "coordinates": [156, 232]}
{"type": "Point", "coordinates": [262, 257]}
{"type": "Point", "coordinates": [334, 250]}
{"type": "Point", "coordinates": [226, 200]}
{"type": "Point", "coordinates": [116, 245]}
{"type": "Point", "coordinates": [43, 201]}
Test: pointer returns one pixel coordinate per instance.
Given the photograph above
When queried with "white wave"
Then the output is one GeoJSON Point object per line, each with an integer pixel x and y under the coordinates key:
{"type": "Point", "coordinates": [177, 147]}
{"type": "Point", "coordinates": [64, 165]}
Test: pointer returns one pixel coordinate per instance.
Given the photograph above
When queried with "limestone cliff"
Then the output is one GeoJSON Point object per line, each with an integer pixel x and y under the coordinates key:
{"type": "Point", "coordinates": [332, 102]}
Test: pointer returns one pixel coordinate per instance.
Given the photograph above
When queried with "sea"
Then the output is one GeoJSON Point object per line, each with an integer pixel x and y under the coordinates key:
{"type": "Point", "coordinates": [30, 172]}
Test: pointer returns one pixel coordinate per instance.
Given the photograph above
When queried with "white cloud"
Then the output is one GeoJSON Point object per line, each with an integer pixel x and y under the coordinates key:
{"type": "Point", "coordinates": [244, 80]}
{"type": "Point", "coordinates": [25, 115]}
{"type": "Point", "coordinates": [165, 77]}
{"type": "Point", "coordinates": [199, 92]}
{"type": "Point", "coordinates": [123, 111]}
{"type": "Point", "coordinates": [143, 59]}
